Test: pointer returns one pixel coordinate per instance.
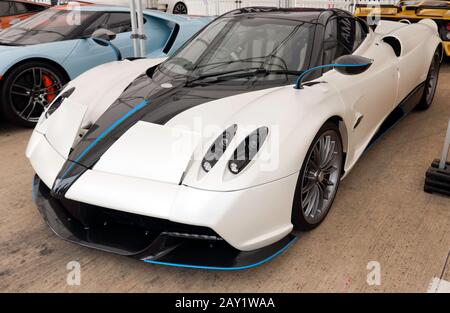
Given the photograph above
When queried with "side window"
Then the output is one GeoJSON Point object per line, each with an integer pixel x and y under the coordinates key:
{"type": "Point", "coordinates": [332, 47]}
{"type": "Point", "coordinates": [346, 33]}
{"type": "Point", "coordinates": [21, 8]}
{"type": "Point", "coordinates": [343, 35]}
{"type": "Point", "coordinates": [115, 22]}
{"type": "Point", "coordinates": [30, 7]}
{"type": "Point", "coordinates": [119, 22]}
{"type": "Point", "coordinates": [100, 22]}
{"type": "Point", "coordinates": [360, 33]}
{"type": "Point", "coordinates": [351, 33]}
{"type": "Point", "coordinates": [6, 8]}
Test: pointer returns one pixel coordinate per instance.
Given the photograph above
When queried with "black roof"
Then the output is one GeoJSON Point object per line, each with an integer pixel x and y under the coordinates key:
{"type": "Point", "coordinates": [313, 15]}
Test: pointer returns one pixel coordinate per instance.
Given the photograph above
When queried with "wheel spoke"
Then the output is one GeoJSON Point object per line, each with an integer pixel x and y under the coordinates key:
{"type": "Point", "coordinates": [325, 150]}
{"type": "Point", "coordinates": [329, 155]}
{"type": "Point", "coordinates": [30, 102]}
{"type": "Point", "coordinates": [20, 93]}
{"type": "Point", "coordinates": [31, 111]}
{"type": "Point", "coordinates": [307, 198]}
{"type": "Point", "coordinates": [324, 191]}
{"type": "Point", "coordinates": [310, 203]}
{"type": "Point", "coordinates": [55, 86]}
{"type": "Point", "coordinates": [310, 175]}
{"type": "Point", "coordinates": [315, 201]}
{"type": "Point", "coordinates": [316, 156]}
{"type": "Point", "coordinates": [321, 150]}
{"type": "Point", "coordinates": [330, 169]}
{"type": "Point", "coordinates": [37, 76]}
{"type": "Point", "coordinates": [21, 87]}
{"type": "Point", "coordinates": [308, 187]}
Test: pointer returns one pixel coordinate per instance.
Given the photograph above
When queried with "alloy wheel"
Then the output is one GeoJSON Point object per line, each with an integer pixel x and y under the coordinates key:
{"type": "Point", "coordinates": [321, 177]}
{"type": "Point", "coordinates": [180, 8]}
{"type": "Point", "coordinates": [32, 91]}
{"type": "Point", "coordinates": [432, 81]}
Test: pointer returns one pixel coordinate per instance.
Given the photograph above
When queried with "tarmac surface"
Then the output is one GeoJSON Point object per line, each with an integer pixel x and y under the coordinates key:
{"type": "Point", "coordinates": [381, 219]}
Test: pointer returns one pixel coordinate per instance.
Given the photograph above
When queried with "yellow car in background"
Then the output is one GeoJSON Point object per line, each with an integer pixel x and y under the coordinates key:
{"type": "Point", "coordinates": [412, 11]}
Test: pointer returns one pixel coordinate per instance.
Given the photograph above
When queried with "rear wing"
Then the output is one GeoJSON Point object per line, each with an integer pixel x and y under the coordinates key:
{"type": "Point", "coordinates": [378, 9]}
{"type": "Point", "coordinates": [433, 9]}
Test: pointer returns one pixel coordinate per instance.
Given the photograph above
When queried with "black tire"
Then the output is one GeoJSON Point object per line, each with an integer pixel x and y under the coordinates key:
{"type": "Point", "coordinates": [22, 87]}
{"type": "Point", "coordinates": [180, 8]}
{"type": "Point", "coordinates": [431, 83]}
{"type": "Point", "coordinates": [299, 219]}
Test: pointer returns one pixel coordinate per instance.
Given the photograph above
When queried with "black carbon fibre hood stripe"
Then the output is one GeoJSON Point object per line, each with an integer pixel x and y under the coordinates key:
{"type": "Point", "coordinates": [163, 105]}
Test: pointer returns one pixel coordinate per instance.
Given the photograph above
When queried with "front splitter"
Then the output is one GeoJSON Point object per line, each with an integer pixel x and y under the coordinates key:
{"type": "Point", "coordinates": [150, 240]}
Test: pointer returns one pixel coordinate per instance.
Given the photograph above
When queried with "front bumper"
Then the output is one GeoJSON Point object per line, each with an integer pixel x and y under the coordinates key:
{"type": "Point", "coordinates": [151, 240]}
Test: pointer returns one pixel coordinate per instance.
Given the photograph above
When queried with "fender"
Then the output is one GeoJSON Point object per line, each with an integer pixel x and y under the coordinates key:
{"type": "Point", "coordinates": [99, 87]}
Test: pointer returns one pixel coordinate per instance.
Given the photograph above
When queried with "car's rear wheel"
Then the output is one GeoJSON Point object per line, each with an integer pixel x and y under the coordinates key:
{"type": "Point", "coordinates": [319, 179]}
{"type": "Point", "coordinates": [430, 83]}
{"type": "Point", "coordinates": [28, 89]}
{"type": "Point", "coordinates": [180, 8]}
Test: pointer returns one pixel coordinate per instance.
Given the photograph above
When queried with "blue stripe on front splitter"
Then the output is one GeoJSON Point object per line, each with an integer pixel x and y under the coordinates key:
{"type": "Point", "coordinates": [104, 133]}
{"type": "Point", "coordinates": [216, 268]}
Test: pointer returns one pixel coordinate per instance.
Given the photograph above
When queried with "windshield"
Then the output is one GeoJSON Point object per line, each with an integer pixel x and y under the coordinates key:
{"type": "Point", "coordinates": [49, 26]}
{"type": "Point", "coordinates": [231, 45]}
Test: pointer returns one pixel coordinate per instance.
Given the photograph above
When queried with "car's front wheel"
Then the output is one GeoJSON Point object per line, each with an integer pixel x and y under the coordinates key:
{"type": "Point", "coordinates": [431, 83]}
{"type": "Point", "coordinates": [27, 90]}
{"type": "Point", "coordinates": [319, 179]}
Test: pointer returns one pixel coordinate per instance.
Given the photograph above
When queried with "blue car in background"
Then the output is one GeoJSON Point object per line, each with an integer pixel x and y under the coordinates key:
{"type": "Point", "coordinates": [40, 55]}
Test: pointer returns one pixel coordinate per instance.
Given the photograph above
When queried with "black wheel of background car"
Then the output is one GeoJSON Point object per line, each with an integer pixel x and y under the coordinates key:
{"type": "Point", "coordinates": [180, 8]}
{"type": "Point", "coordinates": [430, 83]}
{"type": "Point", "coordinates": [28, 89]}
{"type": "Point", "coordinates": [319, 179]}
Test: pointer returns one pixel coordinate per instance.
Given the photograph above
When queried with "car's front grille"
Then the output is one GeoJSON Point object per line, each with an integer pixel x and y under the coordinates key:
{"type": "Point", "coordinates": [123, 232]}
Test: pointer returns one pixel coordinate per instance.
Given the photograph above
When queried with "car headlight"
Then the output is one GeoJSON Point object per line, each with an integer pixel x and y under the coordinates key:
{"type": "Point", "coordinates": [247, 150]}
{"type": "Point", "coordinates": [58, 101]}
{"type": "Point", "coordinates": [218, 148]}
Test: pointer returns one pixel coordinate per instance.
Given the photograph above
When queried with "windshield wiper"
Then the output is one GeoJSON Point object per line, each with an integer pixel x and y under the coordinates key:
{"type": "Point", "coordinates": [216, 74]}
{"type": "Point", "coordinates": [223, 76]}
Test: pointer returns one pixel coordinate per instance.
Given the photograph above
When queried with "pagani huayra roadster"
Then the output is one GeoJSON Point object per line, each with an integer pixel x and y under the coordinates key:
{"type": "Point", "coordinates": [209, 159]}
{"type": "Point", "coordinates": [412, 11]}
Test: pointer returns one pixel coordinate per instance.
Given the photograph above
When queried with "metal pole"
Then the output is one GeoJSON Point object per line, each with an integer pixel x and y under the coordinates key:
{"type": "Point", "coordinates": [140, 22]}
{"type": "Point", "coordinates": [134, 32]}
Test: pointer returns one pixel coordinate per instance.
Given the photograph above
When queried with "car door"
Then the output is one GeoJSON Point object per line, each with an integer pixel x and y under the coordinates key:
{"type": "Point", "coordinates": [88, 54]}
{"type": "Point", "coordinates": [369, 96]}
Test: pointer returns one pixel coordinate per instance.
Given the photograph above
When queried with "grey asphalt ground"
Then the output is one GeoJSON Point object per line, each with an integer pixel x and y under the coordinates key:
{"type": "Point", "coordinates": [381, 214]}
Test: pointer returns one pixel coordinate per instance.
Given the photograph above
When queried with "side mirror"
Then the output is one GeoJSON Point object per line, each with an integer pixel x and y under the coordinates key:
{"type": "Point", "coordinates": [346, 64]}
{"type": "Point", "coordinates": [352, 64]}
{"type": "Point", "coordinates": [104, 34]}
{"type": "Point", "coordinates": [103, 38]}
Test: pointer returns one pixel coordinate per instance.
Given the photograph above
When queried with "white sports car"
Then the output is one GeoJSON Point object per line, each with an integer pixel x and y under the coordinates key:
{"type": "Point", "coordinates": [209, 159]}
